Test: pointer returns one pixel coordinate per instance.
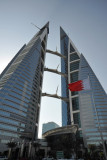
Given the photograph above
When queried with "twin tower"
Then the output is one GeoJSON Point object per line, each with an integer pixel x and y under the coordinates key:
{"type": "Point", "coordinates": [21, 91]}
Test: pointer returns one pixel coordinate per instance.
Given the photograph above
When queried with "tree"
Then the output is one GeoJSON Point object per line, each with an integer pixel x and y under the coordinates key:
{"type": "Point", "coordinates": [36, 145]}
{"type": "Point", "coordinates": [11, 145]}
{"type": "Point", "coordinates": [92, 148]}
{"type": "Point", "coordinates": [62, 142]}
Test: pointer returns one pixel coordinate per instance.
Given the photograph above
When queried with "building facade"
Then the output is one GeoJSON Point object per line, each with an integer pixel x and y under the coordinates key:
{"type": "Point", "coordinates": [48, 126]}
{"type": "Point", "coordinates": [20, 91]}
{"type": "Point", "coordinates": [88, 108]}
{"type": "Point", "coordinates": [64, 40]}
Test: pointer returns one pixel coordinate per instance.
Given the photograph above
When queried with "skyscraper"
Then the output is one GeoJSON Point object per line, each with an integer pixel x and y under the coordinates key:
{"type": "Point", "coordinates": [88, 108]}
{"type": "Point", "coordinates": [20, 90]}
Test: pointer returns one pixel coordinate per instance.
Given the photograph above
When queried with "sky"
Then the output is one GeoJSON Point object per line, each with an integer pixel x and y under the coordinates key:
{"type": "Point", "coordinates": [85, 22]}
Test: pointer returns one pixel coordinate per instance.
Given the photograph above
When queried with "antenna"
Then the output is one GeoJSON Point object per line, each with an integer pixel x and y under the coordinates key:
{"type": "Point", "coordinates": [57, 89]}
{"type": "Point", "coordinates": [56, 48]}
{"type": "Point", "coordinates": [57, 66]}
{"type": "Point", "coordinates": [35, 26]}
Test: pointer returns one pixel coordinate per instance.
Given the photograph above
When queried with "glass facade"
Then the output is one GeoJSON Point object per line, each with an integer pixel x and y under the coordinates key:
{"type": "Point", "coordinates": [20, 90]}
{"type": "Point", "coordinates": [76, 117]}
{"type": "Point", "coordinates": [64, 80]}
{"type": "Point", "coordinates": [49, 126]}
{"type": "Point", "coordinates": [74, 56]}
{"type": "Point", "coordinates": [74, 77]}
{"type": "Point", "coordinates": [88, 108]}
{"type": "Point", "coordinates": [93, 105]}
{"type": "Point", "coordinates": [74, 66]}
{"type": "Point", "coordinates": [74, 62]}
{"type": "Point", "coordinates": [75, 103]}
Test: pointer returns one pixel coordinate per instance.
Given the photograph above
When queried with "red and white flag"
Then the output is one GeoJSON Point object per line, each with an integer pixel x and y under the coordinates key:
{"type": "Point", "coordinates": [80, 85]}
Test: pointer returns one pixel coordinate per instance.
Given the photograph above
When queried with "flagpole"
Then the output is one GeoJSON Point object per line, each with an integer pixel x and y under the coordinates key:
{"type": "Point", "coordinates": [99, 128]}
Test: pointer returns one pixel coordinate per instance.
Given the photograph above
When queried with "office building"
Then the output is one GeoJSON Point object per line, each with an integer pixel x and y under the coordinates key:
{"type": "Point", "coordinates": [20, 91]}
{"type": "Point", "coordinates": [48, 126]}
{"type": "Point", "coordinates": [87, 108]}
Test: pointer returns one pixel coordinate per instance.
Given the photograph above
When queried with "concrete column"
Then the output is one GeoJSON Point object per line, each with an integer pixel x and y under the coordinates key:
{"type": "Point", "coordinates": [29, 150]}
{"type": "Point", "coordinates": [22, 148]}
{"type": "Point", "coordinates": [9, 152]}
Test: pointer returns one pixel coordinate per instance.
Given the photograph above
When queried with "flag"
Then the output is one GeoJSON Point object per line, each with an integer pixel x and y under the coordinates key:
{"type": "Point", "coordinates": [80, 85]}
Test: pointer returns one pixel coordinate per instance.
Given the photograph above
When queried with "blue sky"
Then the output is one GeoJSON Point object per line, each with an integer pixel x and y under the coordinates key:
{"type": "Point", "coordinates": [85, 21]}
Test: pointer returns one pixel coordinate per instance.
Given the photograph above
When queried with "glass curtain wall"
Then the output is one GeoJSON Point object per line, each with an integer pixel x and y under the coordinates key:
{"type": "Point", "coordinates": [64, 40]}
{"type": "Point", "coordinates": [20, 91]}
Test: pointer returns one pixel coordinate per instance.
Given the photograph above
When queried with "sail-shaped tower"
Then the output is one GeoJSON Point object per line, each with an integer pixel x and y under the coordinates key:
{"type": "Point", "coordinates": [20, 91]}
{"type": "Point", "coordinates": [87, 108]}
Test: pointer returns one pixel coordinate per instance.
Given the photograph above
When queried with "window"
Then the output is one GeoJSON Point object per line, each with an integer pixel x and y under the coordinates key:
{"type": "Point", "coordinates": [5, 133]}
{"type": "Point", "coordinates": [74, 77]}
{"type": "Point", "coordinates": [77, 119]}
{"type": "Point", "coordinates": [74, 56]}
{"type": "Point", "coordinates": [74, 93]}
{"type": "Point", "coordinates": [71, 49]}
{"type": "Point", "coordinates": [8, 127]}
{"type": "Point", "coordinates": [74, 66]}
{"type": "Point", "coordinates": [75, 103]}
{"type": "Point", "coordinates": [12, 110]}
{"type": "Point", "coordinates": [6, 120]}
